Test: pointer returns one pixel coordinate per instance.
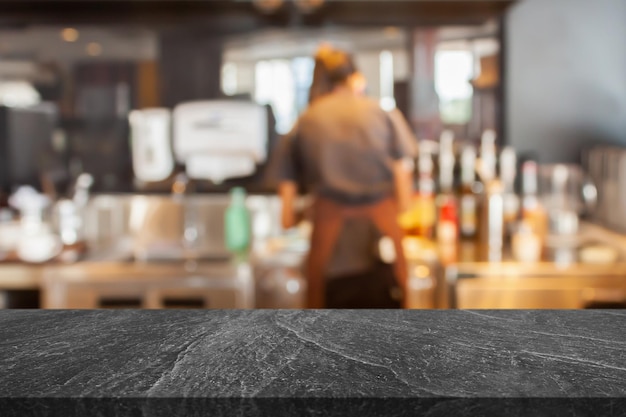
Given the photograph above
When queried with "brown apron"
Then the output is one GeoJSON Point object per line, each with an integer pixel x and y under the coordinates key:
{"type": "Point", "coordinates": [328, 219]}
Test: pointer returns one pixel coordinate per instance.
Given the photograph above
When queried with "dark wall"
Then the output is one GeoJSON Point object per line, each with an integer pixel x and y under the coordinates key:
{"type": "Point", "coordinates": [566, 76]}
{"type": "Point", "coordinates": [25, 146]}
{"type": "Point", "coordinates": [190, 67]}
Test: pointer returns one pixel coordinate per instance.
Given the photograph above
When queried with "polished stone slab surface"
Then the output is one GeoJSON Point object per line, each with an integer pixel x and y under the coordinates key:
{"type": "Point", "coordinates": [264, 356]}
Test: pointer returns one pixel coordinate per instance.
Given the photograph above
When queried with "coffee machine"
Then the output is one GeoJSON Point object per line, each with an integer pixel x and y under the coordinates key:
{"type": "Point", "coordinates": [214, 141]}
{"type": "Point", "coordinates": [220, 139]}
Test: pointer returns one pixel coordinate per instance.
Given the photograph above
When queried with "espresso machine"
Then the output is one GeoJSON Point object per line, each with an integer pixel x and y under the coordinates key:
{"type": "Point", "coordinates": [221, 139]}
{"type": "Point", "coordinates": [214, 141]}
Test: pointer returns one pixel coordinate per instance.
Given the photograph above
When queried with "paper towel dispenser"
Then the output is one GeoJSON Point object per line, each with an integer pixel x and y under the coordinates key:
{"type": "Point", "coordinates": [220, 139]}
{"type": "Point", "coordinates": [151, 144]}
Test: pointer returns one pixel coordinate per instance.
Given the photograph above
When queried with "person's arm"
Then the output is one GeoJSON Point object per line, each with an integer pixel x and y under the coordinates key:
{"type": "Point", "coordinates": [283, 173]}
{"type": "Point", "coordinates": [288, 191]}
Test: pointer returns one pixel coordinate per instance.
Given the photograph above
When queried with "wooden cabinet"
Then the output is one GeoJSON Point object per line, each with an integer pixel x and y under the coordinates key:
{"type": "Point", "coordinates": [153, 286]}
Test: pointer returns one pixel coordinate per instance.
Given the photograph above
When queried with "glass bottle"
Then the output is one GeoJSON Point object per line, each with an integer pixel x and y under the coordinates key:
{"type": "Point", "coordinates": [237, 223]}
{"type": "Point", "coordinates": [425, 198]}
{"type": "Point", "coordinates": [468, 200]}
{"type": "Point", "coordinates": [447, 228]}
{"type": "Point", "coordinates": [532, 210]}
{"type": "Point", "coordinates": [488, 156]}
{"type": "Point", "coordinates": [508, 171]}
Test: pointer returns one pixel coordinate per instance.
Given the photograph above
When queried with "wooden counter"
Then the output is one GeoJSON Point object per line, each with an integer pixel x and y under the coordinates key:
{"type": "Point", "coordinates": [433, 280]}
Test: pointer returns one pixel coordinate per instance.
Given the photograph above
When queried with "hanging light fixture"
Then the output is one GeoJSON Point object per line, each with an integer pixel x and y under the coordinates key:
{"type": "Point", "coordinates": [308, 6]}
{"type": "Point", "coordinates": [94, 49]}
{"type": "Point", "coordinates": [69, 35]}
{"type": "Point", "coordinates": [304, 6]}
{"type": "Point", "coordinates": [267, 6]}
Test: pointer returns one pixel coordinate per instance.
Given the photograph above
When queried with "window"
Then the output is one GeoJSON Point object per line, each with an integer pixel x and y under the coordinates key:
{"type": "Point", "coordinates": [453, 71]}
{"type": "Point", "coordinates": [274, 85]}
{"type": "Point", "coordinates": [284, 84]}
{"type": "Point", "coordinates": [303, 76]}
{"type": "Point", "coordinates": [387, 100]}
{"type": "Point", "coordinates": [229, 79]}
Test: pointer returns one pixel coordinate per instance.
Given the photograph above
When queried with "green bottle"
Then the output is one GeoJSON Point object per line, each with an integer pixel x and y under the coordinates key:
{"type": "Point", "coordinates": [237, 222]}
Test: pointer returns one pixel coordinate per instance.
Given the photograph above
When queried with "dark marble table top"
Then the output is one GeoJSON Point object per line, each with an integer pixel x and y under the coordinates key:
{"type": "Point", "coordinates": [263, 358]}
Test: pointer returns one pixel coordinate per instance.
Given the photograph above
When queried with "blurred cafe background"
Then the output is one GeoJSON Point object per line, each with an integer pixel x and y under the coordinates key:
{"type": "Point", "coordinates": [136, 134]}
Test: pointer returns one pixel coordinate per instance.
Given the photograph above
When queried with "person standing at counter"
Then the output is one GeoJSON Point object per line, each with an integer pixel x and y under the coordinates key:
{"type": "Point", "coordinates": [345, 150]}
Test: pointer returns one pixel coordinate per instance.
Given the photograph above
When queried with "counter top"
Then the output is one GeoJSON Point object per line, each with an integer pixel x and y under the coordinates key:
{"type": "Point", "coordinates": [318, 361]}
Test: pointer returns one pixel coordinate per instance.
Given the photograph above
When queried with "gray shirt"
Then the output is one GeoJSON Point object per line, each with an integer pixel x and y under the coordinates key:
{"type": "Point", "coordinates": [343, 147]}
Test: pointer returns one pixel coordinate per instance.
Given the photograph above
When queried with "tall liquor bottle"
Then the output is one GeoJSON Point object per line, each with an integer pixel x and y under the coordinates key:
{"type": "Point", "coordinates": [488, 156]}
{"type": "Point", "coordinates": [532, 211]}
{"type": "Point", "coordinates": [447, 221]}
{"type": "Point", "coordinates": [419, 220]}
{"type": "Point", "coordinates": [508, 170]}
{"type": "Point", "coordinates": [425, 197]}
{"type": "Point", "coordinates": [468, 200]}
{"type": "Point", "coordinates": [446, 162]}
{"type": "Point", "coordinates": [491, 211]}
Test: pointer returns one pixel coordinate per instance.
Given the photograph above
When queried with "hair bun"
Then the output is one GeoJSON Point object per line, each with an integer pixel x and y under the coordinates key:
{"type": "Point", "coordinates": [335, 61]}
{"type": "Point", "coordinates": [323, 51]}
{"type": "Point", "coordinates": [332, 66]}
